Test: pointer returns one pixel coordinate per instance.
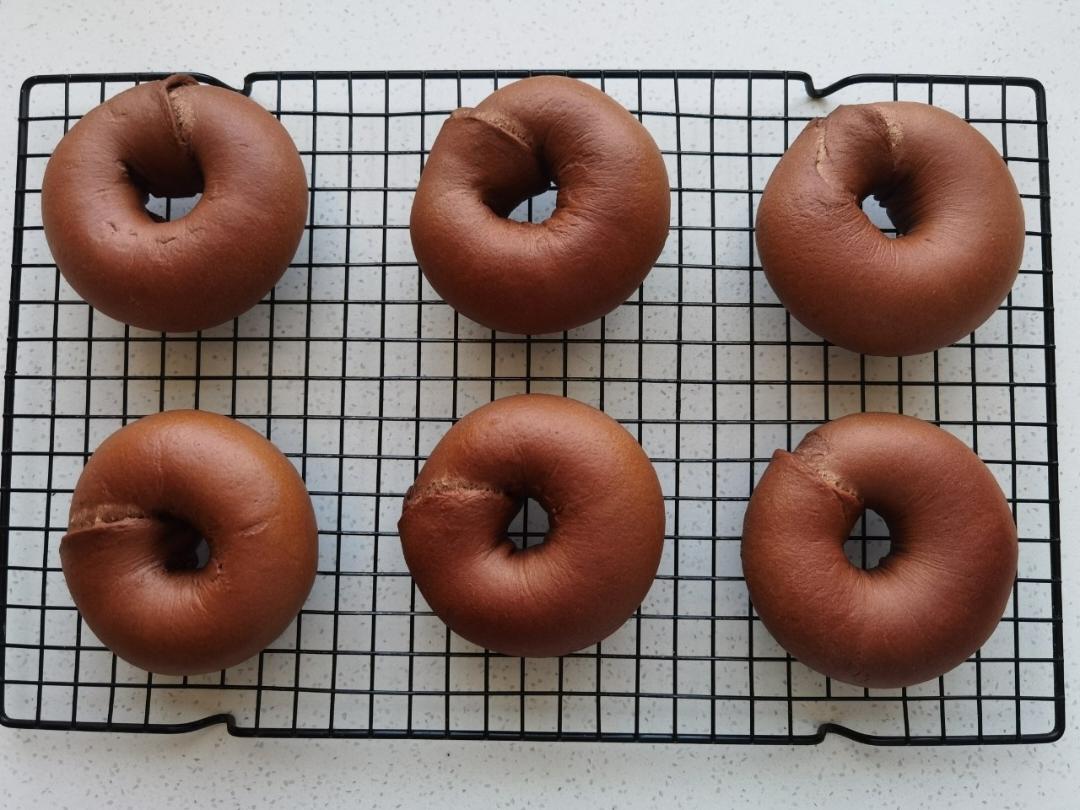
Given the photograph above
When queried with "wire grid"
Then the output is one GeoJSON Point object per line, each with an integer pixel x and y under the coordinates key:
{"type": "Point", "coordinates": [355, 369]}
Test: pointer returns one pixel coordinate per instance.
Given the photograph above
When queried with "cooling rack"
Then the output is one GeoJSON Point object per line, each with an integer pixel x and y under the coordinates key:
{"type": "Point", "coordinates": [355, 368]}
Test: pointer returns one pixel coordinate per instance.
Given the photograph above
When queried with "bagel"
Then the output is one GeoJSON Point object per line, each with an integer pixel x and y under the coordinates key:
{"type": "Point", "coordinates": [957, 212]}
{"type": "Point", "coordinates": [610, 220]}
{"type": "Point", "coordinates": [602, 548]}
{"type": "Point", "coordinates": [174, 138]}
{"type": "Point", "coordinates": [932, 601]}
{"type": "Point", "coordinates": [145, 499]}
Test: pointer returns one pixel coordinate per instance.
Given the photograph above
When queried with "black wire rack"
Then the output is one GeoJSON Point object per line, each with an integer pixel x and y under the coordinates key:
{"type": "Point", "coordinates": [355, 368]}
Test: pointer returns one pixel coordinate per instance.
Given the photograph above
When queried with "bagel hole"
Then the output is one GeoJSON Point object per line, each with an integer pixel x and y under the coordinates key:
{"type": "Point", "coordinates": [202, 554]}
{"type": "Point", "coordinates": [877, 214]}
{"type": "Point", "coordinates": [536, 209]}
{"type": "Point", "coordinates": [167, 209]}
{"type": "Point", "coordinates": [529, 527]}
{"type": "Point", "coordinates": [868, 544]}
{"type": "Point", "coordinates": [186, 548]}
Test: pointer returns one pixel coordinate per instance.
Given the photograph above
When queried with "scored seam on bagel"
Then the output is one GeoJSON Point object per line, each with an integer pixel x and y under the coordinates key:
{"type": "Point", "coordinates": [822, 154]}
{"type": "Point", "coordinates": [822, 148]}
{"type": "Point", "coordinates": [503, 124]}
{"type": "Point", "coordinates": [812, 453]}
{"type": "Point", "coordinates": [891, 131]}
{"type": "Point", "coordinates": [894, 133]}
{"type": "Point", "coordinates": [105, 515]}
{"type": "Point", "coordinates": [448, 486]}
{"type": "Point", "coordinates": [179, 120]}
{"type": "Point", "coordinates": [175, 110]}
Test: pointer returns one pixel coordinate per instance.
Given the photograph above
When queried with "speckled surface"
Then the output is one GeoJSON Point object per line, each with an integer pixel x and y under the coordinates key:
{"type": "Point", "coordinates": [829, 41]}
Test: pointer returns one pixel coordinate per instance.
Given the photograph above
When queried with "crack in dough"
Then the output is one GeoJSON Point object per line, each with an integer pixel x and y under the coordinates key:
{"type": "Point", "coordinates": [822, 156]}
{"type": "Point", "coordinates": [503, 124]}
{"type": "Point", "coordinates": [179, 115]}
{"type": "Point", "coordinates": [106, 514]}
{"type": "Point", "coordinates": [813, 452]}
{"type": "Point", "coordinates": [451, 486]}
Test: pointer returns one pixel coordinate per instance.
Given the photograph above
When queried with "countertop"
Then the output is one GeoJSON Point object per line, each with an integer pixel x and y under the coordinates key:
{"type": "Point", "coordinates": [829, 40]}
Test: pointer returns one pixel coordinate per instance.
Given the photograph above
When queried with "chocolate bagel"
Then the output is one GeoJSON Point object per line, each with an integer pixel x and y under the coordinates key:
{"type": "Point", "coordinates": [174, 138]}
{"type": "Point", "coordinates": [951, 197]}
{"type": "Point", "coordinates": [143, 502]}
{"type": "Point", "coordinates": [606, 518]}
{"type": "Point", "coordinates": [931, 602]}
{"type": "Point", "coordinates": [609, 225]}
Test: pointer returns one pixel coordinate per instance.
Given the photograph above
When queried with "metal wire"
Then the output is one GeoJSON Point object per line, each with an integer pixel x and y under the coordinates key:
{"type": "Point", "coordinates": [355, 368]}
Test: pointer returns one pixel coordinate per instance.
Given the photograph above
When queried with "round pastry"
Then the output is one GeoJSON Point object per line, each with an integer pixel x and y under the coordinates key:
{"type": "Point", "coordinates": [602, 549]}
{"type": "Point", "coordinates": [933, 599]}
{"type": "Point", "coordinates": [174, 138]}
{"type": "Point", "coordinates": [952, 199]}
{"type": "Point", "coordinates": [608, 227]}
{"type": "Point", "coordinates": [144, 502]}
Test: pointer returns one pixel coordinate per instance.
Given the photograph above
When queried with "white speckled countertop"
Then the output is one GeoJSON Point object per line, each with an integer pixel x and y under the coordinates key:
{"type": "Point", "coordinates": [827, 39]}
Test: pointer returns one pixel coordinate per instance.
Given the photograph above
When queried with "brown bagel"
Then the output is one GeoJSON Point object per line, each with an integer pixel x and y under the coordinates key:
{"type": "Point", "coordinates": [955, 207]}
{"type": "Point", "coordinates": [931, 602]}
{"type": "Point", "coordinates": [606, 518]}
{"type": "Point", "coordinates": [142, 503]}
{"type": "Point", "coordinates": [609, 224]}
{"type": "Point", "coordinates": [174, 138]}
